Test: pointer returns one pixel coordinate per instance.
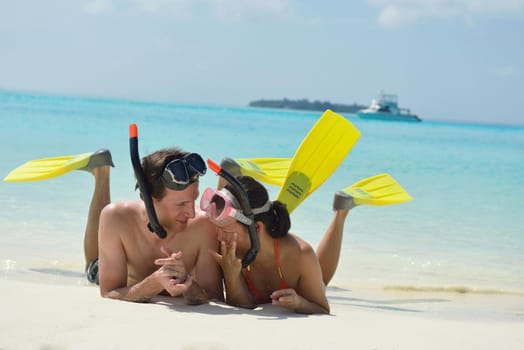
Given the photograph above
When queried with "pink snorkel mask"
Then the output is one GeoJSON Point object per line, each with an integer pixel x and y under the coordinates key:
{"type": "Point", "coordinates": [222, 206]}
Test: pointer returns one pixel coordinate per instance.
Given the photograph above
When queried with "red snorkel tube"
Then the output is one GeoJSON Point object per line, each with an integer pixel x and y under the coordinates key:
{"type": "Point", "coordinates": [241, 195]}
{"type": "Point", "coordinates": [153, 225]}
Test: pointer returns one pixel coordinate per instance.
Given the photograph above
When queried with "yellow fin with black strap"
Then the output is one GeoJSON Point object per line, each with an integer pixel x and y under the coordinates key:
{"type": "Point", "coordinates": [380, 189]}
{"type": "Point", "coordinates": [318, 156]}
{"type": "Point", "coordinates": [47, 168]}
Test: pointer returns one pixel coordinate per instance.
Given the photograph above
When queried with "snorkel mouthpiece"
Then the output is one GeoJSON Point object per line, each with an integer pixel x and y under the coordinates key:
{"type": "Point", "coordinates": [145, 193]}
{"type": "Point", "coordinates": [245, 207]}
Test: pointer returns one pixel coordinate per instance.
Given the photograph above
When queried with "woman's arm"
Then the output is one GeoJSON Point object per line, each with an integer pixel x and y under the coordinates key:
{"type": "Point", "coordinates": [237, 293]}
{"type": "Point", "coordinates": [310, 295]}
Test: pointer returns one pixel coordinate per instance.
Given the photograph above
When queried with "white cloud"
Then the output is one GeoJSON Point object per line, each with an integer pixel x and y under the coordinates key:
{"type": "Point", "coordinates": [227, 10]}
{"type": "Point", "coordinates": [180, 8]}
{"type": "Point", "coordinates": [98, 6]}
{"type": "Point", "coordinates": [154, 7]}
{"type": "Point", "coordinates": [508, 71]}
{"type": "Point", "coordinates": [235, 10]}
{"type": "Point", "coordinates": [396, 13]}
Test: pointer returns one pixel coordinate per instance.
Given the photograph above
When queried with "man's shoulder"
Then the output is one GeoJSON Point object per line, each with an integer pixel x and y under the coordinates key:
{"type": "Point", "coordinates": [120, 219]}
{"type": "Point", "coordinates": [201, 223]}
{"type": "Point", "coordinates": [123, 209]}
{"type": "Point", "coordinates": [200, 227]}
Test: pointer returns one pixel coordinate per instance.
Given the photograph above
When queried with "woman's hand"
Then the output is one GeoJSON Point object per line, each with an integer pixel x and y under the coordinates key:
{"type": "Point", "coordinates": [287, 298]}
{"type": "Point", "coordinates": [290, 299]}
{"type": "Point", "coordinates": [227, 259]}
{"type": "Point", "coordinates": [236, 290]}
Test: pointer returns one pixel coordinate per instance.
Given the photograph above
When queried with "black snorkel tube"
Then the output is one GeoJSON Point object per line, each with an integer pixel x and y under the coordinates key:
{"type": "Point", "coordinates": [246, 210]}
{"type": "Point", "coordinates": [153, 225]}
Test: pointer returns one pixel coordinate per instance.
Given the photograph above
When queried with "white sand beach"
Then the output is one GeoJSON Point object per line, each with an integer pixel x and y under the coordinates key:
{"type": "Point", "coordinates": [51, 316]}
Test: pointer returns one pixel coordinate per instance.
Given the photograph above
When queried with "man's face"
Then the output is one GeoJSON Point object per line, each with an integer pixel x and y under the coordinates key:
{"type": "Point", "coordinates": [176, 208]}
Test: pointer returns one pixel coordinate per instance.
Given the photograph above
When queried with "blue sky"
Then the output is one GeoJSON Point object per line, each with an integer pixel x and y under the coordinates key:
{"type": "Point", "coordinates": [458, 60]}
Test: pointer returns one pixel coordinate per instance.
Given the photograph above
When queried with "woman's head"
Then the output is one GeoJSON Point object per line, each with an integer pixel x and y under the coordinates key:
{"type": "Point", "coordinates": [275, 218]}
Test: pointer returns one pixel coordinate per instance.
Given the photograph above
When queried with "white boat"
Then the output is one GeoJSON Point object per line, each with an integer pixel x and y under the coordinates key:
{"type": "Point", "coordinates": [385, 107]}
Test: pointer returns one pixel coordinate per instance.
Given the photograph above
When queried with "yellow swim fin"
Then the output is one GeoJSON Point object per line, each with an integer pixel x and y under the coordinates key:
{"type": "Point", "coordinates": [318, 156]}
{"type": "Point", "coordinates": [380, 189]}
{"type": "Point", "coordinates": [47, 168]}
{"type": "Point", "coordinates": [272, 171]}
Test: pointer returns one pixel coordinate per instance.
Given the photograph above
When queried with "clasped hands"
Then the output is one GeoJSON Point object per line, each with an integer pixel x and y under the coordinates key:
{"type": "Point", "coordinates": [172, 274]}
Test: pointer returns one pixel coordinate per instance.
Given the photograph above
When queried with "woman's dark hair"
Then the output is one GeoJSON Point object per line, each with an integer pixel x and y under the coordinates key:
{"type": "Point", "coordinates": [276, 219]}
{"type": "Point", "coordinates": [153, 166]}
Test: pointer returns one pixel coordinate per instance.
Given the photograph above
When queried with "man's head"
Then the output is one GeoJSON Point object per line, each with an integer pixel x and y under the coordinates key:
{"type": "Point", "coordinates": [172, 177]}
{"type": "Point", "coordinates": [171, 168]}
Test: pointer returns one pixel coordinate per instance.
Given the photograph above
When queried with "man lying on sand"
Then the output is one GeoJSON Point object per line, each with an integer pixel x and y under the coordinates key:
{"type": "Point", "coordinates": [132, 263]}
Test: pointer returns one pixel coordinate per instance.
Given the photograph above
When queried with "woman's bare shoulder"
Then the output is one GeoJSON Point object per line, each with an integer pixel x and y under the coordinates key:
{"type": "Point", "coordinates": [294, 243]}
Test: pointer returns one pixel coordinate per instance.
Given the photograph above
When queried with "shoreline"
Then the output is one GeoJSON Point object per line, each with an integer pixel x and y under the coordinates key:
{"type": "Point", "coordinates": [71, 274]}
{"type": "Point", "coordinates": [52, 316]}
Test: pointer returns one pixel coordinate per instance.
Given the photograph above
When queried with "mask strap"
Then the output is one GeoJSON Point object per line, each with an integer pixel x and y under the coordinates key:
{"type": "Point", "coordinates": [262, 209]}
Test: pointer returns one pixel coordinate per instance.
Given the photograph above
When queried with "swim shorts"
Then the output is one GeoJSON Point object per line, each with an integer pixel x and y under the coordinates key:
{"type": "Point", "coordinates": [92, 271]}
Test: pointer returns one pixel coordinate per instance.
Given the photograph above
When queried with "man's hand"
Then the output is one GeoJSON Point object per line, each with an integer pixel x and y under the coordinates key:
{"type": "Point", "coordinates": [172, 274]}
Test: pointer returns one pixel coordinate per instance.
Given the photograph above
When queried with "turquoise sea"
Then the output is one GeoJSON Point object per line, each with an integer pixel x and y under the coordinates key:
{"type": "Point", "coordinates": [463, 230]}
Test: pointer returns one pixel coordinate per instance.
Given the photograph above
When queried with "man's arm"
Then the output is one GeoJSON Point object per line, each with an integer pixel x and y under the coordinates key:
{"type": "Point", "coordinates": [113, 260]}
{"type": "Point", "coordinates": [207, 272]}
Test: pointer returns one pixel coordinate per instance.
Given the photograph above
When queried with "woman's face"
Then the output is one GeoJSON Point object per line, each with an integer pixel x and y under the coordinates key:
{"type": "Point", "coordinates": [235, 231]}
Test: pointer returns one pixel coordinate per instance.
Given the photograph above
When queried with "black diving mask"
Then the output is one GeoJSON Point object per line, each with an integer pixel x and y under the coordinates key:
{"type": "Point", "coordinates": [180, 173]}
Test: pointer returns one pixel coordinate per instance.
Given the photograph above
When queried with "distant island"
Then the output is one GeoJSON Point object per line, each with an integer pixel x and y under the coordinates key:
{"type": "Point", "coordinates": [306, 105]}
